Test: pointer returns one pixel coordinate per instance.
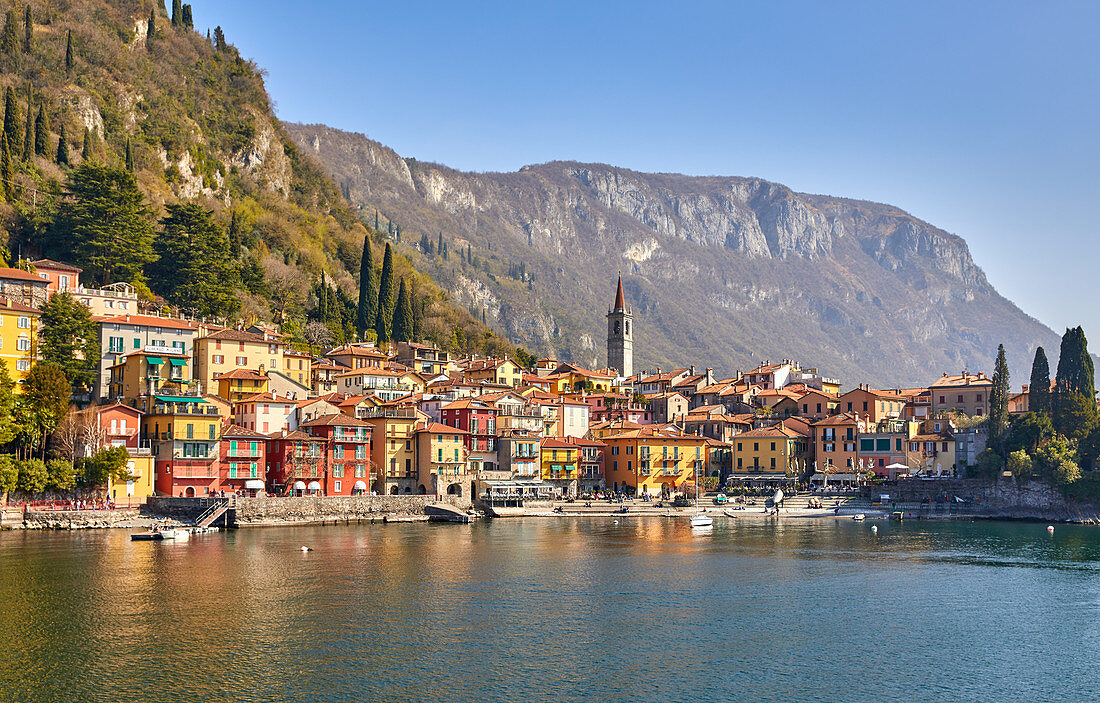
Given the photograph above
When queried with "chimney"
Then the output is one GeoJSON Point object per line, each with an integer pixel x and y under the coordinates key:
{"type": "Point", "coordinates": [710, 376]}
{"type": "Point", "coordinates": [692, 369]}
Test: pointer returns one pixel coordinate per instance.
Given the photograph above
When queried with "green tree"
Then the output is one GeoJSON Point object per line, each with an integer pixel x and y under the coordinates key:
{"type": "Point", "coordinates": [28, 30]}
{"type": "Point", "coordinates": [177, 14]}
{"type": "Point", "coordinates": [1056, 460]}
{"type": "Point", "coordinates": [368, 294]}
{"type": "Point", "coordinates": [104, 225]}
{"type": "Point", "coordinates": [151, 34]}
{"type": "Point", "coordinates": [1038, 390]}
{"type": "Point", "coordinates": [46, 394]}
{"type": "Point", "coordinates": [61, 475]}
{"type": "Point", "coordinates": [193, 268]}
{"type": "Point", "coordinates": [28, 129]}
{"type": "Point", "coordinates": [9, 476]}
{"type": "Point", "coordinates": [69, 339]}
{"type": "Point", "coordinates": [86, 148]}
{"type": "Point", "coordinates": [383, 322]}
{"type": "Point", "coordinates": [219, 39]}
{"type": "Point", "coordinates": [998, 401]}
{"type": "Point", "coordinates": [13, 123]}
{"type": "Point", "coordinates": [1019, 463]}
{"type": "Point", "coordinates": [7, 173]}
{"type": "Point", "coordinates": [402, 315]}
{"type": "Point", "coordinates": [9, 40]}
{"type": "Point", "coordinates": [129, 156]}
{"type": "Point", "coordinates": [62, 157]}
{"type": "Point", "coordinates": [1089, 448]}
{"type": "Point", "coordinates": [234, 236]}
{"type": "Point", "coordinates": [41, 132]}
{"type": "Point", "coordinates": [106, 464]}
{"type": "Point", "coordinates": [33, 476]}
{"type": "Point", "coordinates": [1074, 404]}
{"type": "Point", "coordinates": [7, 406]}
{"type": "Point", "coordinates": [188, 22]}
{"type": "Point", "coordinates": [69, 51]}
{"type": "Point", "coordinates": [1029, 431]}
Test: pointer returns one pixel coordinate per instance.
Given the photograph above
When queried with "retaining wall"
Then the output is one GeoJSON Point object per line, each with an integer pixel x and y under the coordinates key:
{"type": "Point", "coordinates": [309, 509]}
{"type": "Point", "coordinates": [1033, 500]}
{"type": "Point", "coordinates": [76, 519]}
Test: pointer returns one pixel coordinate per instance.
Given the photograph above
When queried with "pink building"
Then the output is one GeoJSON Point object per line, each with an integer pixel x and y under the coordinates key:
{"type": "Point", "coordinates": [266, 413]}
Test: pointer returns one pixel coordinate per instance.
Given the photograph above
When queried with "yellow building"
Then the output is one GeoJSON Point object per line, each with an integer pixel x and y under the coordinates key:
{"type": "Point", "coordinates": [392, 455]}
{"type": "Point", "coordinates": [184, 434]}
{"type": "Point", "coordinates": [239, 384]}
{"type": "Point", "coordinates": [503, 371]}
{"type": "Point", "coordinates": [135, 489]}
{"type": "Point", "coordinates": [228, 350]}
{"type": "Point", "coordinates": [653, 461]}
{"type": "Point", "coordinates": [441, 460]}
{"type": "Point", "coordinates": [146, 373]}
{"type": "Point", "coordinates": [298, 366]}
{"type": "Point", "coordinates": [559, 459]}
{"type": "Point", "coordinates": [777, 450]}
{"type": "Point", "coordinates": [18, 338]}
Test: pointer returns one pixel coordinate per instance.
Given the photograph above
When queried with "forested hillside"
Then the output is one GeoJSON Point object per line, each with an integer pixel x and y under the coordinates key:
{"type": "Point", "coordinates": [146, 151]}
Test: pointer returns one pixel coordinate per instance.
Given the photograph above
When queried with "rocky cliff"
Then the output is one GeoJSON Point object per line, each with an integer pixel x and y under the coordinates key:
{"type": "Point", "coordinates": [720, 271]}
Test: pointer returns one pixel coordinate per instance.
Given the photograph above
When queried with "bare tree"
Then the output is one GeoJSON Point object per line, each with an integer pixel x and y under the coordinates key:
{"type": "Point", "coordinates": [318, 334]}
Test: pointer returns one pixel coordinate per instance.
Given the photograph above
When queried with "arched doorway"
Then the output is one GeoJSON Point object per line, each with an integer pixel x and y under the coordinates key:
{"type": "Point", "coordinates": [190, 492]}
{"type": "Point", "coordinates": [422, 490]}
{"type": "Point", "coordinates": [454, 490]}
{"type": "Point", "coordinates": [393, 490]}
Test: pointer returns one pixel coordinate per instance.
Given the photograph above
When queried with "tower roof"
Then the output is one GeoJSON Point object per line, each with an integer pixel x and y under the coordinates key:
{"type": "Point", "coordinates": [620, 299]}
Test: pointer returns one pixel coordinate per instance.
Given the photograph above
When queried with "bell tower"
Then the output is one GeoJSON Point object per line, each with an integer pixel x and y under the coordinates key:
{"type": "Point", "coordinates": [620, 335]}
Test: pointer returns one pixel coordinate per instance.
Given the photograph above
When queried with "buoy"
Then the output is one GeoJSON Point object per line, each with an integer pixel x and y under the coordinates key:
{"type": "Point", "coordinates": [616, 522]}
{"type": "Point", "coordinates": [1050, 528]}
{"type": "Point", "coordinates": [874, 528]}
{"type": "Point", "coordinates": [306, 549]}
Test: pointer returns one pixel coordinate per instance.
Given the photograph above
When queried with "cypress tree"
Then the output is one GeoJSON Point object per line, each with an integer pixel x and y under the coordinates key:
{"type": "Point", "coordinates": [62, 147]}
{"type": "Point", "coordinates": [998, 401]}
{"type": "Point", "coordinates": [368, 294]}
{"type": "Point", "coordinates": [383, 320]}
{"type": "Point", "coordinates": [1038, 391]}
{"type": "Point", "coordinates": [12, 126]}
{"type": "Point", "coordinates": [439, 245]}
{"type": "Point", "coordinates": [69, 52]}
{"type": "Point", "coordinates": [152, 33]}
{"type": "Point", "coordinates": [177, 14]}
{"type": "Point", "coordinates": [9, 41]}
{"type": "Point", "coordinates": [86, 149]}
{"type": "Point", "coordinates": [375, 220]}
{"type": "Point", "coordinates": [5, 167]}
{"type": "Point", "coordinates": [402, 315]}
{"type": "Point", "coordinates": [1073, 402]}
{"type": "Point", "coordinates": [129, 156]}
{"type": "Point", "coordinates": [41, 132]}
{"type": "Point", "coordinates": [28, 30]}
{"type": "Point", "coordinates": [234, 237]}
{"type": "Point", "coordinates": [188, 23]}
{"type": "Point", "coordinates": [219, 39]}
{"type": "Point", "coordinates": [28, 130]}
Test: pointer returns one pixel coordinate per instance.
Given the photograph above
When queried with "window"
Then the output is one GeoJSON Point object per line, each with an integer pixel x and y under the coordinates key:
{"type": "Point", "coordinates": [213, 432]}
{"type": "Point", "coordinates": [23, 365]}
{"type": "Point", "coordinates": [882, 445]}
{"type": "Point", "coordinates": [115, 345]}
{"type": "Point", "coordinates": [773, 446]}
{"type": "Point", "coordinates": [23, 344]}
{"type": "Point", "coordinates": [943, 401]}
{"type": "Point", "coordinates": [978, 397]}
{"type": "Point", "coordinates": [866, 445]}
{"type": "Point", "coordinates": [819, 408]}
{"type": "Point", "coordinates": [242, 361]}
{"type": "Point", "coordinates": [24, 322]}
{"type": "Point", "coordinates": [190, 431]}
{"type": "Point", "coordinates": [232, 469]}
{"type": "Point", "coordinates": [137, 343]}
{"type": "Point", "coordinates": [960, 398]}
{"type": "Point", "coordinates": [336, 485]}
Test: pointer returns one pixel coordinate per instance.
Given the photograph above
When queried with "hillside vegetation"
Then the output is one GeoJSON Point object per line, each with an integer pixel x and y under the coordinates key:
{"type": "Point", "coordinates": [121, 96]}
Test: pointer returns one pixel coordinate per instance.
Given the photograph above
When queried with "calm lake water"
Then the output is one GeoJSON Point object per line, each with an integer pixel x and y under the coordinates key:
{"type": "Point", "coordinates": [556, 609]}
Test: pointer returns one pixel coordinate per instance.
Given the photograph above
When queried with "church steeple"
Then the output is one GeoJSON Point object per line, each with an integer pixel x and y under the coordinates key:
{"type": "Point", "coordinates": [620, 336]}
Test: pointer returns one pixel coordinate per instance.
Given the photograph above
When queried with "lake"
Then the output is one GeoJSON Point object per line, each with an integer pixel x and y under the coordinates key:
{"type": "Point", "coordinates": [559, 609]}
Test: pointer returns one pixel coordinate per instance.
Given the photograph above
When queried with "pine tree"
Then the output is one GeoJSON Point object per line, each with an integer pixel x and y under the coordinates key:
{"type": "Point", "coordinates": [6, 172]}
{"type": "Point", "coordinates": [152, 33]}
{"type": "Point", "coordinates": [62, 147]}
{"type": "Point", "coordinates": [177, 14]}
{"type": "Point", "coordinates": [28, 31]}
{"type": "Point", "coordinates": [368, 294]}
{"type": "Point", "coordinates": [234, 237]}
{"type": "Point", "coordinates": [1038, 391]}
{"type": "Point", "coordinates": [383, 322]}
{"type": "Point", "coordinates": [9, 40]}
{"type": "Point", "coordinates": [86, 149]}
{"type": "Point", "coordinates": [12, 123]}
{"type": "Point", "coordinates": [69, 52]}
{"type": "Point", "coordinates": [439, 245]}
{"type": "Point", "coordinates": [28, 130]}
{"type": "Point", "coordinates": [188, 23]}
{"type": "Point", "coordinates": [998, 401]}
{"type": "Point", "coordinates": [219, 39]}
{"type": "Point", "coordinates": [129, 156]}
{"type": "Point", "coordinates": [193, 268]}
{"type": "Point", "coordinates": [41, 132]}
{"type": "Point", "coordinates": [402, 315]}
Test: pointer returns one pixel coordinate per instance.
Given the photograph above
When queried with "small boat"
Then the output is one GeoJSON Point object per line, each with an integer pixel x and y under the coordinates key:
{"type": "Point", "coordinates": [156, 535]}
{"type": "Point", "coordinates": [859, 516]}
{"type": "Point", "coordinates": [729, 512]}
{"type": "Point", "coordinates": [702, 520]}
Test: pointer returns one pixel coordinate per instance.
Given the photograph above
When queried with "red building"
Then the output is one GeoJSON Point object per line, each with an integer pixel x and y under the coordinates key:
{"type": "Point", "coordinates": [479, 419]}
{"type": "Point", "coordinates": [346, 468]}
{"type": "Point", "coordinates": [243, 460]}
{"type": "Point", "coordinates": [120, 426]}
{"type": "Point", "coordinates": [294, 460]}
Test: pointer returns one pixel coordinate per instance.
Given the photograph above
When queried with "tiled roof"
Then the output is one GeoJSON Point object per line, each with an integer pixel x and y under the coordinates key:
{"type": "Point", "coordinates": [148, 321]}
{"type": "Point", "coordinates": [242, 374]}
{"type": "Point", "coordinates": [21, 275]}
{"type": "Point", "coordinates": [267, 398]}
{"type": "Point", "coordinates": [777, 430]}
{"type": "Point", "coordinates": [962, 380]}
{"type": "Point", "coordinates": [57, 265]}
{"type": "Point", "coordinates": [238, 431]}
{"type": "Point", "coordinates": [231, 335]}
{"type": "Point", "coordinates": [336, 420]}
{"type": "Point", "coordinates": [437, 428]}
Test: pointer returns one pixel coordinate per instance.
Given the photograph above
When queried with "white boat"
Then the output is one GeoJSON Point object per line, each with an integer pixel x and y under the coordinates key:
{"type": "Point", "coordinates": [729, 512]}
{"type": "Point", "coordinates": [699, 519]}
{"type": "Point", "coordinates": [859, 516]}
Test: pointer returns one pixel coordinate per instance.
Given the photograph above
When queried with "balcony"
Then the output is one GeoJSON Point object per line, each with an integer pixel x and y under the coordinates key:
{"type": "Point", "coordinates": [196, 471]}
{"type": "Point", "coordinates": [184, 408]}
{"type": "Point", "coordinates": [400, 413]}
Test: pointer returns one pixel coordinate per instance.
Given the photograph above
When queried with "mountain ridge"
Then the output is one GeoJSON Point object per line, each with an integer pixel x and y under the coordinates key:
{"type": "Point", "coordinates": [722, 270]}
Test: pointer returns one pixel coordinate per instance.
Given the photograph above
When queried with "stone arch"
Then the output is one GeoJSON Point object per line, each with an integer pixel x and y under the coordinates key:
{"type": "Point", "coordinates": [393, 490]}
{"type": "Point", "coordinates": [422, 490]}
{"type": "Point", "coordinates": [454, 489]}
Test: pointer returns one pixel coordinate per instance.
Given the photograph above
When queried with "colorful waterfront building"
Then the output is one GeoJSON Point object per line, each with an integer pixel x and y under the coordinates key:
{"type": "Point", "coordinates": [775, 452]}
{"type": "Point", "coordinates": [347, 454]}
{"type": "Point", "coordinates": [559, 465]}
{"type": "Point", "coordinates": [243, 460]}
{"type": "Point", "coordinates": [392, 454]}
{"type": "Point", "coordinates": [148, 372]}
{"type": "Point", "coordinates": [119, 425]}
{"type": "Point", "coordinates": [294, 461]}
{"type": "Point", "coordinates": [238, 384]}
{"type": "Point", "coordinates": [653, 461]}
{"type": "Point", "coordinates": [184, 433]}
{"type": "Point", "coordinates": [18, 338]}
{"type": "Point", "coordinates": [442, 460]}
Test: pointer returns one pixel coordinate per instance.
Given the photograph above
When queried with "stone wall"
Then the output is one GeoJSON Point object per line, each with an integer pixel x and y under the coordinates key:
{"type": "Point", "coordinates": [1033, 500]}
{"type": "Point", "coordinates": [312, 509]}
{"type": "Point", "coordinates": [178, 508]}
{"type": "Point", "coordinates": [77, 519]}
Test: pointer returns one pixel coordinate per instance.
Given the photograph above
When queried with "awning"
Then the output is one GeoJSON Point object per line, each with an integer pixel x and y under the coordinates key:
{"type": "Point", "coordinates": [299, 485]}
{"type": "Point", "coordinates": [360, 486]}
{"type": "Point", "coordinates": [178, 362]}
{"type": "Point", "coordinates": [314, 486]}
{"type": "Point", "coordinates": [254, 484]}
{"type": "Point", "coordinates": [154, 360]}
{"type": "Point", "coordinates": [178, 399]}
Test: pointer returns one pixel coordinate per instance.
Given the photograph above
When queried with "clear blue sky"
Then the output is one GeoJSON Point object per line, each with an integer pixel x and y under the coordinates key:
{"type": "Point", "coordinates": [981, 119]}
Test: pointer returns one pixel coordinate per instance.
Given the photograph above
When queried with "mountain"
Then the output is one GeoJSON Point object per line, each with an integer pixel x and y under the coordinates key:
{"type": "Point", "coordinates": [120, 77]}
{"type": "Point", "coordinates": [723, 272]}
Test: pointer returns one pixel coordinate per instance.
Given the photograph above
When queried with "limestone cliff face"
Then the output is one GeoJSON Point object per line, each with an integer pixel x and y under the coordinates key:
{"type": "Point", "coordinates": [721, 272]}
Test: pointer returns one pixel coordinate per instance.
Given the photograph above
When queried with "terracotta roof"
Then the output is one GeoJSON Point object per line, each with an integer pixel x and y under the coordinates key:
{"type": "Point", "coordinates": [242, 374]}
{"type": "Point", "coordinates": [238, 431]}
{"type": "Point", "coordinates": [148, 321]}
{"type": "Point", "coordinates": [464, 403]}
{"type": "Point", "coordinates": [57, 265]}
{"type": "Point", "coordinates": [962, 380]}
{"type": "Point", "coordinates": [296, 435]}
{"type": "Point", "coordinates": [356, 351]}
{"type": "Point", "coordinates": [370, 372]}
{"type": "Point", "coordinates": [311, 401]}
{"type": "Point", "coordinates": [8, 304]}
{"type": "Point", "coordinates": [777, 430]}
{"type": "Point", "coordinates": [266, 398]}
{"type": "Point", "coordinates": [841, 419]}
{"type": "Point", "coordinates": [437, 428]}
{"type": "Point", "coordinates": [232, 335]}
{"type": "Point", "coordinates": [21, 275]}
{"type": "Point", "coordinates": [337, 420]}
{"type": "Point", "coordinates": [557, 443]}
